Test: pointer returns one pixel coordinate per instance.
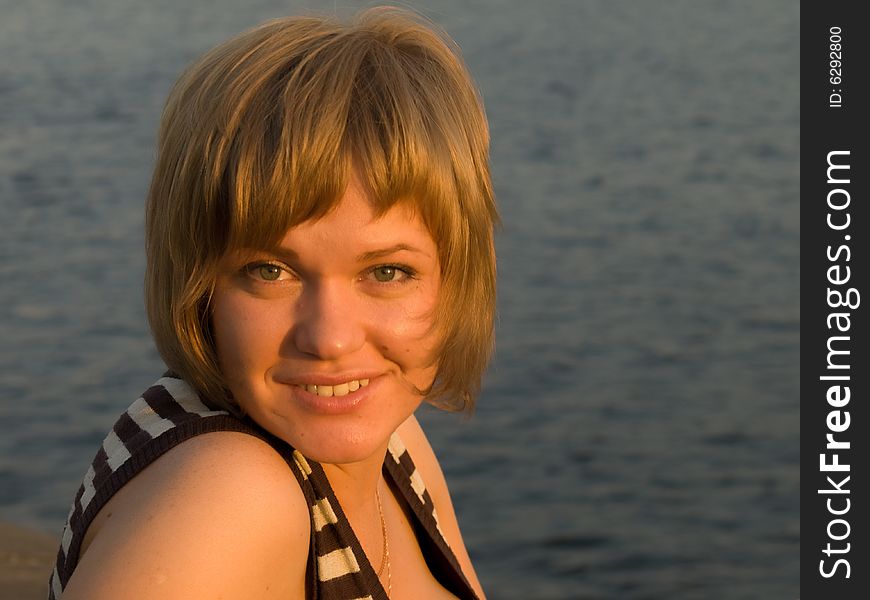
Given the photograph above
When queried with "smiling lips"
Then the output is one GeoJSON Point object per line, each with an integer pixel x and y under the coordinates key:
{"type": "Point", "coordinates": [342, 389]}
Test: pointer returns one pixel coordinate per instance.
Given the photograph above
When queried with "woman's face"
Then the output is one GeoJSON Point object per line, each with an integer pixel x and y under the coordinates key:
{"type": "Point", "coordinates": [323, 340]}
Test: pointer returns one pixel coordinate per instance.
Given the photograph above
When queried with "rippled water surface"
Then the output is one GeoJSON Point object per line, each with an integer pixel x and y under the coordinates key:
{"type": "Point", "coordinates": [638, 435]}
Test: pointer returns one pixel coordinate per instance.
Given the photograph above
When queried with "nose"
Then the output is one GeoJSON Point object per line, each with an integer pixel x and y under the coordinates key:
{"type": "Point", "coordinates": [328, 321]}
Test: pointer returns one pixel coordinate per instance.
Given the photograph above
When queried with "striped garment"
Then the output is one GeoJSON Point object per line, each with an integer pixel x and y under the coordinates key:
{"type": "Point", "coordinates": [170, 412]}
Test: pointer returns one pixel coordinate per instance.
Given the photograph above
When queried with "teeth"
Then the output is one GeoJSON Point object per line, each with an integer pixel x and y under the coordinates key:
{"type": "Point", "coordinates": [342, 389]}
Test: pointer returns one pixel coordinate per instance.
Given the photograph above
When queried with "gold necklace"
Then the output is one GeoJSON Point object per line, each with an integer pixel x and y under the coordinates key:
{"type": "Point", "coordinates": [385, 553]}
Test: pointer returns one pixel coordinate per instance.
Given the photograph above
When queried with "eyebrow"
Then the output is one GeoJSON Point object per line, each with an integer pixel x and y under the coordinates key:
{"type": "Point", "coordinates": [285, 253]}
{"type": "Point", "coordinates": [291, 255]}
{"type": "Point", "coordinates": [375, 254]}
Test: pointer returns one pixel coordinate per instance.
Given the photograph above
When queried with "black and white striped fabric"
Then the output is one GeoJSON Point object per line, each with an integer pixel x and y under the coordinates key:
{"type": "Point", "coordinates": [170, 412]}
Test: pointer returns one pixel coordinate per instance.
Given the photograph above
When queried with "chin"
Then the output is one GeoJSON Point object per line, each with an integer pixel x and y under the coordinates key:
{"type": "Point", "coordinates": [338, 445]}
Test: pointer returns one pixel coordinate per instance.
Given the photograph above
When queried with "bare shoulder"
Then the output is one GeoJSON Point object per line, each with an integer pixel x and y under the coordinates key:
{"type": "Point", "coordinates": [218, 515]}
{"type": "Point", "coordinates": [426, 462]}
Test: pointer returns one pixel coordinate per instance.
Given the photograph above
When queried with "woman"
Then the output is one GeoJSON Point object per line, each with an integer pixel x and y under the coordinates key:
{"type": "Point", "coordinates": [320, 262]}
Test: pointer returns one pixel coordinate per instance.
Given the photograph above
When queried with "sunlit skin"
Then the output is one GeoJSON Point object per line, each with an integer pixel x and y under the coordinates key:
{"type": "Point", "coordinates": [345, 298]}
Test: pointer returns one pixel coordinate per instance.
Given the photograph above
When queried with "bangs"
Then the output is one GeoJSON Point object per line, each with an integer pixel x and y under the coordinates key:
{"type": "Point", "coordinates": [353, 106]}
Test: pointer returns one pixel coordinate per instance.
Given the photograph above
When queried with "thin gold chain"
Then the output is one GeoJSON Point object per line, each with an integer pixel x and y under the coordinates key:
{"type": "Point", "coordinates": [385, 554]}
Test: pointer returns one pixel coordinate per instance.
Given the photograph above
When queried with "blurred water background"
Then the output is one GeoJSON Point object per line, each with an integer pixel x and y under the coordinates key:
{"type": "Point", "coordinates": [638, 434]}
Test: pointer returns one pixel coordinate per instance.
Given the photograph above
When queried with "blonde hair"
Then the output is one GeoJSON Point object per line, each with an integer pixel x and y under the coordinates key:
{"type": "Point", "coordinates": [263, 133]}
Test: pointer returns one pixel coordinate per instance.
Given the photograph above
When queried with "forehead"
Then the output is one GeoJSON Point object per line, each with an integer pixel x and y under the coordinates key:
{"type": "Point", "coordinates": [355, 222]}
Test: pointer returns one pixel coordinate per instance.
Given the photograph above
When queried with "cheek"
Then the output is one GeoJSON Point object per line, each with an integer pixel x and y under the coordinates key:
{"type": "Point", "coordinates": [407, 336]}
{"type": "Point", "coordinates": [226, 334]}
{"type": "Point", "coordinates": [242, 334]}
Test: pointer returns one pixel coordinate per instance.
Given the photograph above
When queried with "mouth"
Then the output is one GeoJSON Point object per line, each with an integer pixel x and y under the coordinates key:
{"type": "Point", "coordinates": [328, 391]}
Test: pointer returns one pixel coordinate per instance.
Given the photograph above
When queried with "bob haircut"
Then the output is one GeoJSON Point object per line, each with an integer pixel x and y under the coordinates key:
{"type": "Point", "coordinates": [264, 132]}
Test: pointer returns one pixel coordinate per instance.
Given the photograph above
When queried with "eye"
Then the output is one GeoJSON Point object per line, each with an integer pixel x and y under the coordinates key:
{"type": "Point", "coordinates": [392, 273]}
{"type": "Point", "coordinates": [267, 272]}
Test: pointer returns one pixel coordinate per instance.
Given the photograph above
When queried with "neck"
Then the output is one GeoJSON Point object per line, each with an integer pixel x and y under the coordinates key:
{"type": "Point", "coordinates": [354, 484]}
